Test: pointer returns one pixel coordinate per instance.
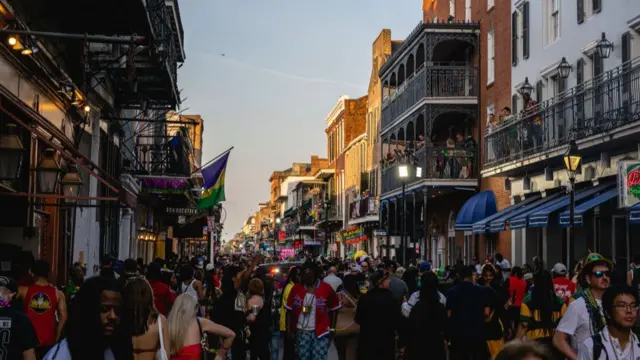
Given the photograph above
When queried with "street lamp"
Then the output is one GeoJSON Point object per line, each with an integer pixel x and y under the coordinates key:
{"type": "Point", "coordinates": [571, 162]}
{"type": "Point", "coordinates": [276, 229]}
{"type": "Point", "coordinates": [326, 206]}
{"type": "Point", "coordinates": [403, 173]}
{"type": "Point", "coordinates": [564, 68]}
{"type": "Point", "coordinates": [526, 89]}
{"type": "Point", "coordinates": [11, 154]}
{"type": "Point", "coordinates": [48, 172]}
{"type": "Point", "coordinates": [604, 47]}
{"type": "Point", "coordinates": [71, 183]}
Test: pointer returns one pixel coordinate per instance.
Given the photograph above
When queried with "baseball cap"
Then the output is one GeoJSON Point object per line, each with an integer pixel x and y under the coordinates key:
{"type": "Point", "coordinates": [425, 266]}
{"type": "Point", "coordinates": [9, 284]}
{"type": "Point", "coordinates": [209, 267]}
{"type": "Point", "coordinates": [559, 269]}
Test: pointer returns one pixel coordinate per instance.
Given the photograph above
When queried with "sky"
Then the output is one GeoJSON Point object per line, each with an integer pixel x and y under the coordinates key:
{"type": "Point", "coordinates": [265, 74]}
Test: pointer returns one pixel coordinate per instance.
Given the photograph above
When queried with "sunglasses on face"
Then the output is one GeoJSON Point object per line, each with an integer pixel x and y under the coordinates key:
{"type": "Point", "coordinates": [599, 274]}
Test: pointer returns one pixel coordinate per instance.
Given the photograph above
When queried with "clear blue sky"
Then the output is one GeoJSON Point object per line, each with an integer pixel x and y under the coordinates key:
{"type": "Point", "coordinates": [285, 64]}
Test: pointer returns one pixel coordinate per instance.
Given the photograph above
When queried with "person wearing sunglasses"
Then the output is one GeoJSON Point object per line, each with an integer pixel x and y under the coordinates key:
{"type": "Point", "coordinates": [584, 316]}
{"type": "Point", "coordinates": [617, 340]}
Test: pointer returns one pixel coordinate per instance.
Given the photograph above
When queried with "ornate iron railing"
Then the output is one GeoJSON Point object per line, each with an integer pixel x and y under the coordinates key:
{"type": "Point", "coordinates": [436, 163]}
{"type": "Point", "coordinates": [363, 207]}
{"type": "Point", "coordinates": [599, 106]}
{"type": "Point", "coordinates": [440, 81]}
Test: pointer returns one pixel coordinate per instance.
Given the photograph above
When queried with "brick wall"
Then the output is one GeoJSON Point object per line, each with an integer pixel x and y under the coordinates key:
{"type": "Point", "coordinates": [355, 119]}
{"type": "Point", "coordinates": [318, 163]}
{"type": "Point", "coordinates": [497, 18]}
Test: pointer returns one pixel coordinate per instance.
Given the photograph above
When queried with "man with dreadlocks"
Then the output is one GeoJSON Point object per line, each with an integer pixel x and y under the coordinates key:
{"type": "Point", "coordinates": [93, 330]}
{"type": "Point", "coordinates": [584, 317]}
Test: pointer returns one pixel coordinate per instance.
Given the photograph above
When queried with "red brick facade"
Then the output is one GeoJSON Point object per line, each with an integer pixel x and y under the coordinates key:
{"type": "Point", "coordinates": [498, 94]}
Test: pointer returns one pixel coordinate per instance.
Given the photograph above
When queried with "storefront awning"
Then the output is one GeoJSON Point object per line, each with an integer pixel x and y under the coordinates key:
{"type": "Point", "coordinates": [586, 206]}
{"type": "Point", "coordinates": [500, 224]}
{"type": "Point", "coordinates": [539, 217]}
{"type": "Point", "coordinates": [481, 226]}
{"type": "Point", "coordinates": [478, 207]}
{"type": "Point", "coordinates": [634, 214]}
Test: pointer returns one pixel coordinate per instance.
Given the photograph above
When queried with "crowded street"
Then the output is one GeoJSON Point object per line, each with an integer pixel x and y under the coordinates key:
{"type": "Point", "coordinates": [333, 180]}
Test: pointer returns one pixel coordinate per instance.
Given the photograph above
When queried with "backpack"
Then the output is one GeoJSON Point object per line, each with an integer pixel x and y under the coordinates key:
{"type": "Point", "coordinates": [598, 346]}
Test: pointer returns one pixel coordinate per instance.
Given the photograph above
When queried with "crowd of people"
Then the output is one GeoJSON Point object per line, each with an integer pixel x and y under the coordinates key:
{"type": "Point", "coordinates": [368, 308]}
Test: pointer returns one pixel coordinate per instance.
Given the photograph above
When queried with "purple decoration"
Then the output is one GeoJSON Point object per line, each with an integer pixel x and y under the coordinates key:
{"type": "Point", "coordinates": [162, 183]}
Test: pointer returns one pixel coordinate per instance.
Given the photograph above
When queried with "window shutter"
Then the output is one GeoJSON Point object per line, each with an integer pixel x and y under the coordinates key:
{"type": "Point", "coordinates": [580, 11]}
{"type": "Point", "coordinates": [597, 65]}
{"type": "Point", "coordinates": [514, 38]}
{"type": "Point", "coordinates": [514, 104]}
{"type": "Point", "coordinates": [626, 47]}
{"type": "Point", "coordinates": [525, 30]}
{"type": "Point", "coordinates": [580, 71]}
{"type": "Point", "coordinates": [539, 91]}
{"type": "Point", "coordinates": [597, 6]}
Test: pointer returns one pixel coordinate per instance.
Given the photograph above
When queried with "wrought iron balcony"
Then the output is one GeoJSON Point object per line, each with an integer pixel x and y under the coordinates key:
{"type": "Point", "coordinates": [604, 105]}
{"type": "Point", "coordinates": [363, 207]}
{"type": "Point", "coordinates": [446, 164]}
{"type": "Point", "coordinates": [441, 81]}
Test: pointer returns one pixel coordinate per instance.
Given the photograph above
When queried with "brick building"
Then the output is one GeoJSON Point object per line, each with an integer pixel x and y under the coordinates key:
{"type": "Point", "coordinates": [494, 86]}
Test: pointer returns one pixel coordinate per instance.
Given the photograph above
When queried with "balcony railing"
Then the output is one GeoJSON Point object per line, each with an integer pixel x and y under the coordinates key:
{"type": "Point", "coordinates": [599, 106]}
{"type": "Point", "coordinates": [363, 207]}
{"type": "Point", "coordinates": [446, 81]}
{"type": "Point", "coordinates": [438, 164]}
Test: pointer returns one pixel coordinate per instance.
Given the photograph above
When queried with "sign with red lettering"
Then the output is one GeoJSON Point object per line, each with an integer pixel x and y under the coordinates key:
{"type": "Point", "coordinates": [628, 183]}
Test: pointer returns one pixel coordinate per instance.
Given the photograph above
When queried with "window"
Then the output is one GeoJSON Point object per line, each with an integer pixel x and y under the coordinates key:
{"type": "Point", "coordinates": [587, 8]}
{"type": "Point", "coordinates": [580, 10]}
{"type": "Point", "coordinates": [452, 8]}
{"type": "Point", "coordinates": [491, 56]}
{"type": "Point", "coordinates": [490, 111]}
{"type": "Point", "coordinates": [514, 38]}
{"type": "Point", "coordinates": [539, 95]}
{"type": "Point", "coordinates": [514, 104]}
{"type": "Point", "coordinates": [490, 4]}
{"type": "Point", "coordinates": [554, 21]}
{"type": "Point", "coordinates": [467, 10]}
{"type": "Point", "coordinates": [525, 30]}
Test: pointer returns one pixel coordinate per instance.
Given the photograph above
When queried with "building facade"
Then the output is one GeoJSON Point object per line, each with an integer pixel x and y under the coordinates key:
{"type": "Point", "coordinates": [579, 88]}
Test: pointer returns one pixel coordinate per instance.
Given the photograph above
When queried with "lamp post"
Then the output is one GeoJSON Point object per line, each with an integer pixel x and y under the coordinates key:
{"type": "Point", "coordinates": [326, 207]}
{"type": "Point", "coordinates": [11, 154]}
{"type": "Point", "coordinates": [275, 235]}
{"type": "Point", "coordinates": [571, 161]}
{"type": "Point", "coordinates": [48, 172]}
{"type": "Point", "coordinates": [403, 173]}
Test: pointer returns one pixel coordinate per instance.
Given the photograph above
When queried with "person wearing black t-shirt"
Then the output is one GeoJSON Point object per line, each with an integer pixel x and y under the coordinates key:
{"type": "Point", "coordinates": [467, 304]}
{"type": "Point", "coordinates": [17, 337]}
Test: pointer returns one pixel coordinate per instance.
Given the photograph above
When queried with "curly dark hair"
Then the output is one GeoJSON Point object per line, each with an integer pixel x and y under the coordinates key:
{"type": "Point", "coordinates": [84, 333]}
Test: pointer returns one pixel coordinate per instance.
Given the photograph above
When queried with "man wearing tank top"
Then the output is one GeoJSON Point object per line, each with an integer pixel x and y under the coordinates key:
{"type": "Point", "coordinates": [189, 285]}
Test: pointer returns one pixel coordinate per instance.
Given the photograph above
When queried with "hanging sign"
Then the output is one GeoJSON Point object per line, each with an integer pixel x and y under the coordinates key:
{"type": "Point", "coordinates": [628, 183]}
{"type": "Point", "coordinates": [353, 235]}
{"type": "Point", "coordinates": [287, 253]}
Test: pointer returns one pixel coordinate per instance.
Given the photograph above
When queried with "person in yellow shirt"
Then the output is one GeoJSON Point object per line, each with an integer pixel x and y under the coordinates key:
{"type": "Point", "coordinates": [289, 344]}
{"type": "Point", "coordinates": [541, 312]}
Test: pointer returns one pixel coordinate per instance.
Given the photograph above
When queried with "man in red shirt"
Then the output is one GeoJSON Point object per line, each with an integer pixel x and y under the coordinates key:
{"type": "Point", "coordinates": [563, 287]}
{"type": "Point", "coordinates": [311, 316]}
{"type": "Point", "coordinates": [42, 301]}
{"type": "Point", "coordinates": [163, 296]}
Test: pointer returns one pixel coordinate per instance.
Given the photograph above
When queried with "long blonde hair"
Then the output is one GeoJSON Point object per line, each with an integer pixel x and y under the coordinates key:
{"type": "Point", "coordinates": [183, 311]}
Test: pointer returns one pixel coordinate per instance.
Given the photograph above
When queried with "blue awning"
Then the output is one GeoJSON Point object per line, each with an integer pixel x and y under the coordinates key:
{"type": "Point", "coordinates": [500, 224]}
{"type": "Point", "coordinates": [634, 214]}
{"type": "Point", "coordinates": [586, 206]}
{"type": "Point", "coordinates": [482, 226]}
{"type": "Point", "coordinates": [478, 207]}
{"type": "Point", "coordinates": [521, 221]}
{"type": "Point", "coordinates": [539, 217]}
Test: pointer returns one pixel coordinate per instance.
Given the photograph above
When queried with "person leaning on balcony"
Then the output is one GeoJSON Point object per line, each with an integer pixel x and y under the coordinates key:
{"type": "Point", "coordinates": [533, 123]}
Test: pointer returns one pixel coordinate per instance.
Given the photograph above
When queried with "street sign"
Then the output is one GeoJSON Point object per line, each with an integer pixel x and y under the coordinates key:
{"type": "Point", "coordinates": [210, 222]}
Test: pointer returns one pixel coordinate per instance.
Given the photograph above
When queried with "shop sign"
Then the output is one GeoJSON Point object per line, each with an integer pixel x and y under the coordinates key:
{"type": "Point", "coordinates": [287, 253]}
{"type": "Point", "coordinates": [628, 183]}
{"type": "Point", "coordinates": [353, 235]}
{"type": "Point", "coordinates": [181, 211]}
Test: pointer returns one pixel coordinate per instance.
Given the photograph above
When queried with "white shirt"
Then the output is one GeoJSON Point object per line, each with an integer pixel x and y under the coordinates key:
{"type": "Point", "coordinates": [576, 322]}
{"type": "Point", "coordinates": [611, 348]}
{"type": "Point", "coordinates": [413, 300]}
{"type": "Point", "coordinates": [61, 352]}
{"type": "Point", "coordinates": [505, 265]}
{"type": "Point", "coordinates": [189, 289]}
{"type": "Point", "coordinates": [334, 281]}
{"type": "Point", "coordinates": [307, 321]}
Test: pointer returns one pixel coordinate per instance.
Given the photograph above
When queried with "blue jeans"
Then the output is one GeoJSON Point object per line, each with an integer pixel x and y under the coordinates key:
{"type": "Point", "coordinates": [310, 347]}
